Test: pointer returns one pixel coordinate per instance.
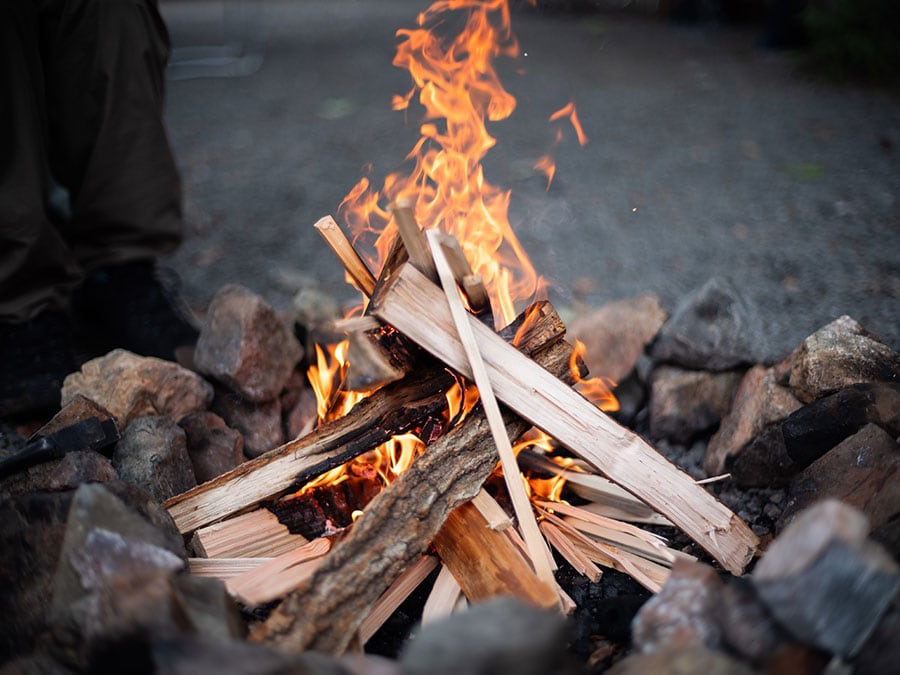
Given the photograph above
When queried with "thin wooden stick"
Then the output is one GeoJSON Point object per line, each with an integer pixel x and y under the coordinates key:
{"type": "Point", "coordinates": [540, 555]}
{"type": "Point", "coordinates": [412, 305]}
{"type": "Point", "coordinates": [388, 603]}
{"type": "Point", "coordinates": [413, 240]}
{"type": "Point", "coordinates": [224, 568]}
{"type": "Point", "coordinates": [443, 599]}
{"type": "Point", "coordinates": [350, 259]}
{"type": "Point", "coordinates": [577, 559]}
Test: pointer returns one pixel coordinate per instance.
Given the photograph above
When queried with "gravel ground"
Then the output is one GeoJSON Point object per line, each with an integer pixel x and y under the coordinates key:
{"type": "Point", "coordinates": [707, 156]}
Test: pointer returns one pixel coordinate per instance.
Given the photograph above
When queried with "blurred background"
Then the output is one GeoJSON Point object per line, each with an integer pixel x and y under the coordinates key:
{"type": "Point", "coordinates": [749, 139]}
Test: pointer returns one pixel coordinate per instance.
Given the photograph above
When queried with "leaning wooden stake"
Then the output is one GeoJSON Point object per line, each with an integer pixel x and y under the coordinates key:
{"type": "Point", "coordinates": [343, 249]}
{"type": "Point", "coordinates": [418, 309]}
{"type": "Point", "coordinates": [538, 552]}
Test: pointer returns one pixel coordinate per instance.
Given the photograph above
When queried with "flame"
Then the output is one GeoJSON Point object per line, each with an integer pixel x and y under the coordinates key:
{"type": "Point", "coordinates": [454, 79]}
{"type": "Point", "coordinates": [598, 390]}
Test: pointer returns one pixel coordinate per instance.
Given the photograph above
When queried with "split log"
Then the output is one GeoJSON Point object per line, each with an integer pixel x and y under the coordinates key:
{"type": "Point", "coordinates": [224, 568]}
{"type": "Point", "coordinates": [444, 598]}
{"type": "Point", "coordinates": [486, 563]}
{"type": "Point", "coordinates": [257, 534]}
{"type": "Point", "coordinates": [412, 404]}
{"type": "Point", "coordinates": [418, 309]}
{"type": "Point", "coordinates": [396, 528]}
{"type": "Point", "coordinates": [278, 576]}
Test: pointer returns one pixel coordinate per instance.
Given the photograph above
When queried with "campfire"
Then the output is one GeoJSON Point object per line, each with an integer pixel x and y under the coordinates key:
{"type": "Point", "coordinates": [453, 444]}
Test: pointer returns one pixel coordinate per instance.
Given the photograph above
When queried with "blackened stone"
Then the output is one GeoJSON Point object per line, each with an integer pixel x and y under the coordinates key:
{"type": "Point", "coordinates": [212, 445]}
{"type": "Point", "coordinates": [817, 427]}
{"type": "Point", "coordinates": [38, 663]}
{"type": "Point", "coordinates": [747, 627]}
{"type": "Point", "coordinates": [881, 652]}
{"type": "Point", "coordinates": [688, 661]}
{"type": "Point", "coordinates": [32, 527]}
{"type": "Point", "coordinates": [209, 607]}
{"type": "Point", "coordinates": [713, 328]}
{"type": "Point", "coordinates": [863, 471]}
{"type": "Point", "coordinates": [153, 454]}
{"type": "Point", "coordinates": [839, 355]}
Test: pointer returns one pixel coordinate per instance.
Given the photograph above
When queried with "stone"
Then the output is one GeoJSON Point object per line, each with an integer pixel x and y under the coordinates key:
{"type": "Point", "coordinates": [683, 614]}
{"type": "Point", "coordinates": [193, 655]}
{"type": "Point", "coordinates": [112, 581]}
{"type": "Point", "coordinates": [749, 442]}
{"type": "Point", "coordinates": [245, 346]}
{"type": "Point", "coordinates": [209, 607]}
{"type": "Point", "coordinates": [881, 652]}
{"type": "Point", "coordinates": [299, 414]}
{"type": "Point", "coordinates": [153, 454]}
{"type": "Point", "coordinates": [689, 661]}
{"type": "Point", "coordinates": [616, 334]}
{"type": "Point", "coordinates": [131, 386]}
{"type": "Point", "coordinates": [713, 328]}
{"type": "Point", "coordinates": [747, 627]}
{"type": "Point", "coordinates": [863, 471]}
{"type": "Point", "coordinates": [824, 581]}
{"type": "Point", "coordinates": [817, 427]}
{"type": "Point", "coordinates": [212, 445]}
{"type": "Point", "coordinates": [38, 663]}
{"type": "Point", "coordinates": [65, 473]}
{"type": "Point", "coordinates": [32, 527]}
{"type": "Point", "coordinates": [838, 355]}
{"type": "Point", "coordinates": [496, 637]}
{"type": "Point", "coordinates": [259, 423]}
{"type": "Point", "coordinates": [685, 403]}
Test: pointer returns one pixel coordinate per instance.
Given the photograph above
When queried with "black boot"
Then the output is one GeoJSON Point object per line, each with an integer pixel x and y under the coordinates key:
{"type": "Point", "coordinates": [126, 306]}
{"type": "Point", "coordinates": [35, 358]}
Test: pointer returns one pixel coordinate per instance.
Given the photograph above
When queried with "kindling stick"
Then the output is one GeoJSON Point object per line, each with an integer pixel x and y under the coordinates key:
{"type": "Point", "coordinates": [540, 555]}
{"type": "Point", "coordinates": [343, 249]}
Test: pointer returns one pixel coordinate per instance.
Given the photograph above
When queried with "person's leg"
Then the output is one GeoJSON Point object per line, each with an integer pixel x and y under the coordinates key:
{"type": "Point", "coordinates": [37, 269]}
{"type": "Point", "coordinates": [105, 65]}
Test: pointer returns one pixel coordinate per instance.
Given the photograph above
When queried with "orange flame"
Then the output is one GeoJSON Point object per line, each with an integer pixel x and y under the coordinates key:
{"type": "Point", "coordinates": [598, 390]}
{"type": "Point", "coordinates": [454, 79]}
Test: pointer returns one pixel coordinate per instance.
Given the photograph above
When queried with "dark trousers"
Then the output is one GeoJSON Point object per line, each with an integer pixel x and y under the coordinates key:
{"type": "Point", "coordinates": [81, 106]}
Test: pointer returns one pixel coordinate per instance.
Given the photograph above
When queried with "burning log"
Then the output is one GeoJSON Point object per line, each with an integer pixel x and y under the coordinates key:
{"type": "Point", "coordinates": [394, 531]}
{"type": "Point", "coordinates": [413, 403]}
{"type": "Point", "coordinates": [415, 307]}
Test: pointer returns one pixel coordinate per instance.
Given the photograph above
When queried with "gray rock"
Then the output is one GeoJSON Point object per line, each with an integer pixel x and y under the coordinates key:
{"type": "Point", "coordinates": [881, 652]}
{"type": "Point", "coordinates": [747, 627]}
{"type": "Point", "coordinates": [684, 403]}
{"type": "Point", "coordinates": [131, 386]}
{"type": "Point", "coordinates": [32, 527]}
{"type": "Point", "coordinates": [824, 582]}
{"type": "Point", "coordinates": [863, 471]}
{"type": "Point", "coordinates": [38, 663]}
{"type": "Point", "coordinates": [245, 346]}
{"type": "Point", "coordinates": [212, 445]}
{"type": "Point", "coordinates": [838, 355]}
{"type": "Point", "coordinates": [209, 607]}
{"type": "Point", "coordinates": [683, 614]}
{"type": "Point", "coordinates": [153, 454]}
{"type": "Point", "coordinates": [749, 440]}
{"type": "Point", "coordinates": [713, 328]}
{"type": "Point", "coordinates": [112, 584]}
{"type": "Point", "coordinates": [259, 423]}
{"type": "Point", "coordinates": [689, 661]}
{"type": "Point", "coordinates": [616, 334]}
{"type": "Point", "coordinates": [493, 638]}
{"type": "Point", "coordinates": [65, 473]}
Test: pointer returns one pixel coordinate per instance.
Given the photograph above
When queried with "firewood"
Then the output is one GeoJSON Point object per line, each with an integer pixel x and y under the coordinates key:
{"type": "Point", "coordinates": [369, 364]}
{"type": "Point", "coordinates": [354, 265]}
{"type": "Point", "coordinates": [538, 552]}
{"type": "Point", "coordinates": [400, 407]}
{"type": "Point", "coordinates": [224, 568]}
{"type": "Point", "coordinates": [486, 564]}
{"type": "Point", "coordinates": [570, 551]}
{"type": "Point", "coordinates": [444, 598]}
{"type": "Point", "coordinates": [278, 576]}
{"type": "Point", "coordinates": [472, 284]}
{"type": "Point", "coordinates": [413, 239]}
{"type": "Point", "coordinates": [417, 308]}
{"type": "Point", "coordinates": [397, 527]}
{"type": "Point", "coordinates": [492, 512]}
{"type": "Point", "coordinates": [257, 534]}
{"type": "Point", "coordinates": [388, 603]}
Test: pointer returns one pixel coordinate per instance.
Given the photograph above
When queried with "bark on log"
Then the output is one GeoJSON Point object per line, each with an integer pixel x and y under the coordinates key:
{"type": "Point", "coordinates": [394, 531]}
